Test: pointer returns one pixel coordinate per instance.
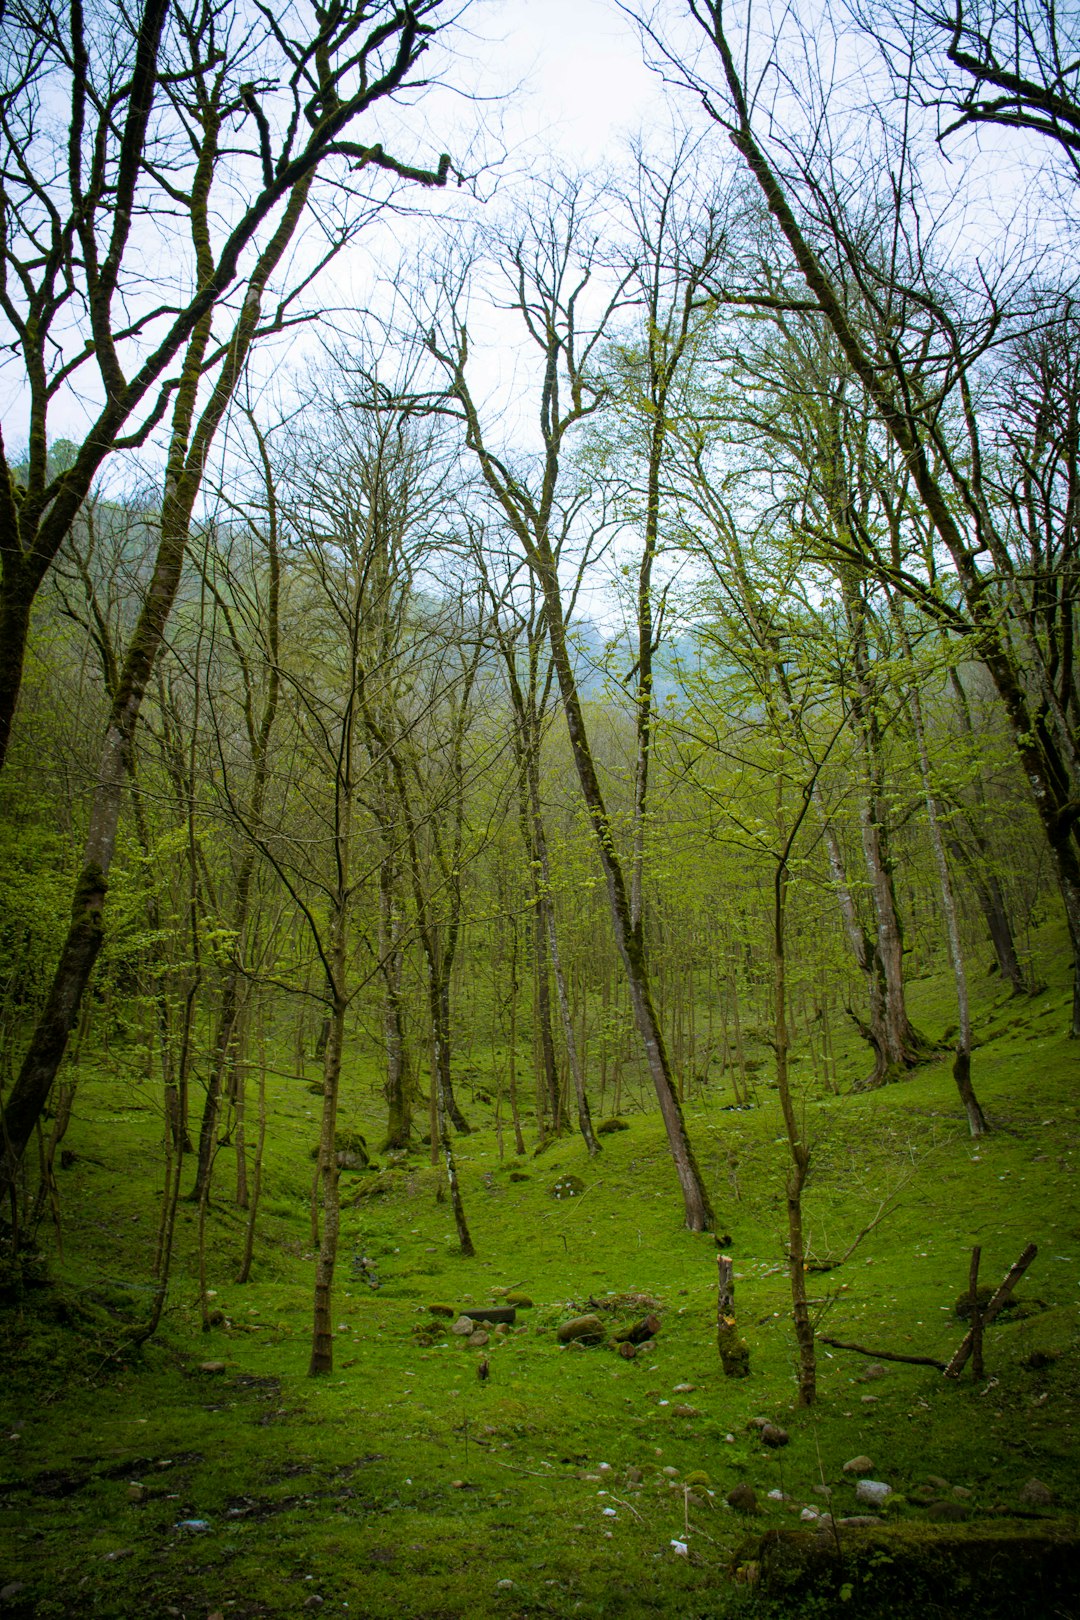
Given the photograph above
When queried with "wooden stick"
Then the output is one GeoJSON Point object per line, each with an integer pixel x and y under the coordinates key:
{"type": "Point", "coordinates": [883, 1355]}
{"type": "Point", "coordinates": [976, 1314]}
{"type": "Point", "coordinates": [1009, 1282]}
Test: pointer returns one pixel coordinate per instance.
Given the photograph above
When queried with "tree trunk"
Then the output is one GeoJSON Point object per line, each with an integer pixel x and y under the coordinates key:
{"type": "Point", "coordinates": [699, 1215]}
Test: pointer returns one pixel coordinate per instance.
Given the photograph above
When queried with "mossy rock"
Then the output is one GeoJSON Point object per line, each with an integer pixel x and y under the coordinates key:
{"type": "Point", "coordinates": [521, 1301]}
{"type": "Point", "coordinates": [568, 1187]}
{"type": "Point", "coordinates": [449, 1311]}
{"type": "Point", "coordinates": [608, 1127]}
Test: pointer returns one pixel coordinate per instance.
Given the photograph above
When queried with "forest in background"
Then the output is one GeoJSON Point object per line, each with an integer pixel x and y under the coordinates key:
{"type": "Point", "coordinates": [636, 651]}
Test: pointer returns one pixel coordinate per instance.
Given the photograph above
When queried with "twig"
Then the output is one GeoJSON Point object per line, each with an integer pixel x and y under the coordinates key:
{"type": "Point", "coordinates": [884, 1355]}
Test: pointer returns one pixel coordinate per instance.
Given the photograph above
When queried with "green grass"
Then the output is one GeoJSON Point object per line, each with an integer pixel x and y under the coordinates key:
{"type": "Point", "coordinates": [403, 1486]}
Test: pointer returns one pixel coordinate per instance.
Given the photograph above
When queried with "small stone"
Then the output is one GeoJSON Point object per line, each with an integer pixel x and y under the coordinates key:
{"type": "Point", "coordinates": [627, 1350]}
{"type": "Point", "coordinates": [212, 1366]}
{"type": "Point", "coordinates": [875, 1370]}
{"type": "Point", "coordinates": [961, 1493]}
{"type": "Point", "coordinates": [634, 1476]}
{"type": "Point", "coordinates": [684, 1389]}
{"type": "Point", "coordinates": [521, 1302]}
{"type": "Point", "coordinates": [442, 1310]}
{"type": "Point", "coordinates": [937, 1482]}
{"type": "Point", "coordinates": [777, 1495]}
{"type": "Point", "coordinates": [669, 1472]}
{"type": "Point", "coordinates": [773, 1435]}
{"type": "Point", "coordinates": [464, 1326]}
{"type": "Point", "coordinates": [479, 1338]}
{"type": "Point", "coordinates": [743, 1498]}
{"type": "Point", "coordinates": [568, 1187]}
{"type": "Point", "coordinates": [858, 1465]}
{"type": "Point", "coordinates": [604, 1468]}
{"type": "Point", "coordinates": [869, 1400]}
{"type": "Point", "coordinates": [137, 1493]}
{"type": "Point", "coordinates": [313, 1602]}
{"type": "Point", "coordinates": [1036, 1494]}
{"type": "Point", "coordinates": [948, 1512]}
{"type": "Point", "coordinates": [503, 1586]}
{"type": "Point", "coordinates": [808, 1515]}
{"type": "Point", "coordinates": [872, 1492]}
{"type": "Point", "coordinates": [685, 1411]}
{"type": "Point", "coordinates": [856, 1520]}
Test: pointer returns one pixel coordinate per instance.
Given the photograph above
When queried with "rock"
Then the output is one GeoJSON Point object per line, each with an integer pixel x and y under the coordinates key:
{"type": "Point", "coordinates": [137, 1493]}
{"type": "Point", "coordinates": [858, 1465]}
{"type": "Point", "coordinates": [581, 1330]}
{"type": "Point", "coordinates": [757, 1423]}
{"type": "Point", "coordinates": [211, 1366]}
{"type": "Point", "coordinates": [948, 1512]}
{"type": "Point", "coordinates": [685, 1411]}
{"type": "Point", "coordinates": [875, 1370]}
{"type": "Point", "coordinates": [493, 1313]}
{"type": "Point", "coordinates": [313, 1602]}
{"type": "Point", "coordinates": [351, 1161]}
{"type": "Point", "coordinates": [694, 1500]}
{"type": "Point", "coordinates": [869, 1400]}
{"type": "Point", "coordinates": [503, 1586]}
{"type": "Point", "coordinates": [809, 1515]}
{"type": "Point", "coordinates": [961, 1493]}
{"type": "Point", "coordinates": [697, 1478]}
{"type": "Point", "coordinates": [463, 1326]}
{"type": "Point", "coordinates": [773, 1435]}
{"type": "Point", "coordinates": [608, 1127]}
{"type": "Point", "coordinates": [477, 1339]}
{"type": "Point", "coordinates": [937, 1482]}
{"type": "Point", "coordinates": [670, 1472]}
{"type": "Point", "coordinates": [568, 1187]}
{"type": "Point", "coordinates": [855, 1520]}
{"type": "Point", "coordinates": [521, 1302]}
{"type": "Point", "coordinates": [872, 1492]}
{"type": "Point", "coordinates": [11, 1590]}
{"type": "Point", "coordinates": [627, 1350]}
{"type": "Point", "coordinates": [1036, 1494]}
{"type": "Point", "coordinates": [519, 1175]}
{"type": "Point", "coordinates": [634, 1476]}
{"type": "Point", "coordinates": [684, 1389]}
{"type": "Point", "coordinates": [442, 1310]}
{"type": "Point", "coordinates": [743, 1498]}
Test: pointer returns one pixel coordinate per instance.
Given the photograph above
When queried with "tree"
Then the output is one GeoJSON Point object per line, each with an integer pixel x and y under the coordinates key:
{"type": "Point", "coordinates": [551, 264]}
{"type": "Point", "coordinates": [355, 57]}
{"type": "Point", "coordinates": [914, 344]}
{"type": "Point", "coordinates": [165, 121]}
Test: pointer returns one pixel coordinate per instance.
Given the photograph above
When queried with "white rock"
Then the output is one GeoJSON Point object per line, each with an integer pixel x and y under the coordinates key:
{"type": "Point", "coordinates": [872, 1492]}
{"type": "Point", "coordinates": [680, 1549]}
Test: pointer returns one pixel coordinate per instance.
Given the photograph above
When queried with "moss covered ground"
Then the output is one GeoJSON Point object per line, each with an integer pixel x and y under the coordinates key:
{"type": "Point", "coordinates": [569, 1481]}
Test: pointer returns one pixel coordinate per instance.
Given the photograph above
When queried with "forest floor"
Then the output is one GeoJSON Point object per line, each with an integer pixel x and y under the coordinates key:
{"type": "Point", "coordinates": [207, 1475]}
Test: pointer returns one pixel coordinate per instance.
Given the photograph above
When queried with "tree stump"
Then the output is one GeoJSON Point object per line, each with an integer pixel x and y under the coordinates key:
{"type": "Point", "coordinates": [734, 1351]}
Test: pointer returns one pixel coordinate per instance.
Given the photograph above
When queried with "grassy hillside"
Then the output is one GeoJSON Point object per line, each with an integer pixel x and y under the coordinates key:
{"type": "Point", "coordinates": [570, 1481]}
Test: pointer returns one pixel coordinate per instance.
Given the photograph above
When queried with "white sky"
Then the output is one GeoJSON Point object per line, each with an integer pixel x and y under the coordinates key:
{"type": "Point", "coordinates": [583, 81]}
